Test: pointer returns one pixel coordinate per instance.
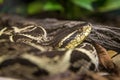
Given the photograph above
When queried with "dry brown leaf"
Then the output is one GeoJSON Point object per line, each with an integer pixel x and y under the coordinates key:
{"type": "Point", "coordinates": [105, 59]}
{"type": "Point", "coordinates": [116, 60]}
{"type": "Point", "coordinates": [112, 53]}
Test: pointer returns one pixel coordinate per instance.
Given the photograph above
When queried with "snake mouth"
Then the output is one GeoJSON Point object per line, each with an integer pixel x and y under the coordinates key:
{"type": "Point", "coordinates": [76, 37]}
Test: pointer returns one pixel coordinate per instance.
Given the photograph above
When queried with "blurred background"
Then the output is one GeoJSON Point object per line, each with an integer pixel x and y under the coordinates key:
{"type": "Point", "coordinates": [101, 11]}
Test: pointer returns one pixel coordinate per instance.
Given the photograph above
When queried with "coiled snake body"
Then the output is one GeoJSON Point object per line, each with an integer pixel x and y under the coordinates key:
{"type": "Point", "coordinates": [32, 50]}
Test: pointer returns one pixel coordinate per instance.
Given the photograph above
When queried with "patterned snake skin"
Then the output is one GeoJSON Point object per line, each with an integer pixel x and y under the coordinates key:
{"type": "Point", "coordinates": [34, 51]}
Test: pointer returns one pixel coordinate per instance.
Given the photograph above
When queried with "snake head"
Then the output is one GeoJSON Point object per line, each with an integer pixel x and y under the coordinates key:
{"type": "Point", "coordinates": [73, 36]}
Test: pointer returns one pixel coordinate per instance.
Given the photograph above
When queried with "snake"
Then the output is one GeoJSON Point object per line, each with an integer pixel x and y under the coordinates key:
{"type": "Point", "coordinates": [34, 51]}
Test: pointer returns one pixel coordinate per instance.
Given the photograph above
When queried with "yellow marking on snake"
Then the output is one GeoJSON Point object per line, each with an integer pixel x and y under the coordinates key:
{"type": "Point", "coordinates": [61, 43]}
{"type": "Point", "coordinates": [18, 30]}
{"type": "Point", "coordinates": [11, 38]}
{"type": "Point", "coordinates": [61, 65]}
{"type": "Point", "coordinates": [79, 37]}
{"type": "Point", "coordinates": [2, 31]}
{"type": "Point", "coordinates": [37, 38]}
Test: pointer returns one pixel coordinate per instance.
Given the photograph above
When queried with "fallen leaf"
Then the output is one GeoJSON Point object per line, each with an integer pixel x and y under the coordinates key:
{"type": "Point", "coordinates": [112, 53]}
{"type": "Point", "coordinates": [104, 58]}
{"type": "Point", "coordinates": [116, 60]}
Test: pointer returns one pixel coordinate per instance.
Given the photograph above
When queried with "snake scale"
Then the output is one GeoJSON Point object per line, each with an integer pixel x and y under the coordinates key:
{"type": "Point", "coordinates": [31, 52]}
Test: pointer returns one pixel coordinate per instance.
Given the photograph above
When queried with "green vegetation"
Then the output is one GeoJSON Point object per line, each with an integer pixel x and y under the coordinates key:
{"type": "Point", "coordinates": [69, 8]}
{"type": "Point", "coordinates": [1, 1]}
